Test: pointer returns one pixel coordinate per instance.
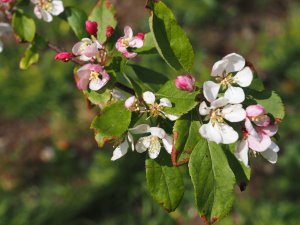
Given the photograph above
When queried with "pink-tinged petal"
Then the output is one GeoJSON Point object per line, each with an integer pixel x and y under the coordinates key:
{"type": "Point", "coordinates": [228, 134]}
{"type": "Point", "coordinates": [234, 95]}
{"type": "Point", "coordinates": [220, 102]}
{"type": "Point", "coordinates": [130, 102]}
{"type": "Point", "coordinates": [37, 11]}
{"type": "Point", "coordinates": [210, 132]}
{"type": "Point", "coordinates": [136, 43]}
{"type": "Point", "coordinates": [262, 121]}
{"type": "Point", "coordinates": [140, 129]}
{"type": "Point", "coordinates": [259, 142]}
{"type": "Point", "coordinates": [168, 143]}
{"type": "Point", "coordinates": [96, 67]}
{"type": "Point", "coordinates": [46, 16]}
{"type": "Point", "coordinates": [84, 71]}
{"type": "Point", "coordinates": [204, 109]}
{"type": "Point", "coordinates": [218, 68]}
{"type": "Point", "coordinates": [119, 46]}
{"type": "Point", "coordinates": [244, 77]}
{"type": "Point", "coordinates": [255, 110]}
{"type": "Point", "coordinates": [128, 32]}
{"type": "Point", "coordinates": [76, 48]}
{"type": "Point", "coordinates": [234, 113]}
{"type": "Point", "coordinates": [236, 62]}
{"type": "Point", "coordinates": [241, 152]}
{"type": "Point", "coordinates": [271, 153]}
{"type": "Point", "coordinates": [249, 128]}
{"type": "Point", "coordinates": [270, 130]}
{"type": "Point", "coordinates": [120, 151]}
{"type": "Point", "coordinates": [211, 90]}
{"type": "Point", "coordinates": [158, 132]}
{"type": "Point", "coordinates": [83, 83]}
{"type": "Point", "coordinates": [129, 55]}
{"type": "Point", "coordinates": [185, 83]}
{"type": "Point", "coordinates": [91, 50]}
{"type": "Point", "coordinates": [149, 97]}
{"type": "Point", "coordinates": [165, 102]}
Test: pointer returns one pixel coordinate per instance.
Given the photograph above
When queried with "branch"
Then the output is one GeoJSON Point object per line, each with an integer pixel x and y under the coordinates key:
{"type": "Point", "coordinates": [125, 88]}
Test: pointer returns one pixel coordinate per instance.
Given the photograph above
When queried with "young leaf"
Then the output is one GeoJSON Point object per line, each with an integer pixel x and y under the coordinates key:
{"type": "Point", "coordinates": [213, 181]}
{"type": "Point", "coordinates": [170, 39]}
{"type": "Point", "coordinates": [30, 57]}
{"type": "Point", "coordinates": [182, 101]}
{"type": "Point", "coordinates": [104, 15]}
{"type": "Point", "coordinates": [24, 26]}
{"type": "Point", "coordinates": [76, 19]}
{"type": "Point", "coordinates": [111, 123]}
{"type": "Point", "coordinates": [165, 182]}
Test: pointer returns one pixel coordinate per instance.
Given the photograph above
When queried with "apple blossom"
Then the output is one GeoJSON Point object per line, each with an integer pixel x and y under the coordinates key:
{"type": "Point", "coordinates": [86, 49]}
{"type": "Point", "coordinates": [4, 28]}
{"type": "Point", "coordinates": [152, 143]}
{"type": "Point", "coordinates": [257, 137]}
{"type": "Point", "coordinates": [122, 149]}
{"type": "Point", "coordinates": [219, 111]}
{"type": "Point", "coordinates": [91, 27]}
{"type": "Point", "coordinates": [156, 109]}
{"type": "Point", "coordinates": [89, 76]}
{"type": "Point", "coordinates": [63, 56]}
{"type": "Point", "coordinates": [45, 9]}
{"type": "Point", "coordinates": [223, 72]}
{"type": "Point", "coordinates": [130, 102]}
{"type": "Point", "coordinates": [185, 82]}
{"type": "Point", "coordinates": [129, 41]}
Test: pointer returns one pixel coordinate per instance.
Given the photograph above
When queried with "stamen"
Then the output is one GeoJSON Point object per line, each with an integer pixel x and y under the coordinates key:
{"type": "Point", "coordinates": [94, 75]}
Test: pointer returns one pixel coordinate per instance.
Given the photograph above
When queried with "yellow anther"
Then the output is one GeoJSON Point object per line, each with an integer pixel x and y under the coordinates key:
{"type": "Point", "coordinates": [94, 75]}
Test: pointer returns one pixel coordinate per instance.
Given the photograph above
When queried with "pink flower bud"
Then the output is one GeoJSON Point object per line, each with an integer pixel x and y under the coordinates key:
{"type": "Point", "coordinates": [91, 27]}
{"type": "Point", "coordinates": [185, 82]}
{"type": "Point", "coordinates": [130, 102]}
{"type": "Point", "coordinates": [141, 36]}
{"type": "Point", "coordinates": [63, 56]}
{"type": "Point", "coordinates": [109, 31]}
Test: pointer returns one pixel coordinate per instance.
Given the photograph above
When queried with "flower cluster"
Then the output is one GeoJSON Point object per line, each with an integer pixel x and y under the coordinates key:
{"type": "Point", "coordinates": [152, 142]}
{"type": "Point", "coordinates": [46, 9]}
{"type": "Point", "coordinates": [223, 108]}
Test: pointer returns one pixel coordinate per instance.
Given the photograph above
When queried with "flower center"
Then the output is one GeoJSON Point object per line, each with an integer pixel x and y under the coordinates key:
{"type": "Point", "coordinates": [46, 4]}
{"type": "Point", "coordinates": [155, 110]}
{"type": "Point", "coordinates": [94, 75]}
{"type": "Point", "coordinates": [225, 81]}
{"type": "Point", "coordinates": [125, 42]}
{"type": "Point", "coordinates": [260, 118]}
{"type": "Point", "coordinates": [216, 116]}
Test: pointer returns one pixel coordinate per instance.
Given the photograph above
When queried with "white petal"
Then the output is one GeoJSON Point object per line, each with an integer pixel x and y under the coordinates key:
{"type": "Point", "coordinates": [236, 62]}
{"type": "Point", "coordinates": [46, 16]}
{"type": "Point", "coordinates": [37, 11]}
{"type": "Point", "coordinates": [229, 135]}
{"type": "Point", "coordinates": [57, 7]}
{"type": "Point", "coordinates": [171, 117]}
{"type": "Point", "coordinates": [168, 143]}
{"type": "Point", "coordinates": [120, 151]}
{"type": "Point", "coordinates": [158, 132]}
{"type": "Point", "coordinates": [128, 32]}
{"type": "Point", "coordinates": [271, 153]}
{"type": "Point", "coordinates": [96, 84]}
{"type": "Point", "coordinates": [234, 113]}
{"type": "Point", "coordinates": [241, 152]}
{"type": "Point", "coordinates": [219, 68]}
{"type": "Point", "coordinates": [210, 132]}
{"type": "Point", "coordinates": [211, 90]}
{"type": "Point", "coordinates": [234, 95]}
{"type": "Point", "coordinates": [136, 43]}
{"type": "Point", "coordinates": [149, 97]}
{"type": "Point", "coordinates": [220, 102]}
{"type": "Point", "coordinates": [154, 148]}
{"type": "Point", "coordinates": [203, 109]}
{"type": "Point", "coordinates": [140, 129]}
{"type": "Point", "coordinates": [131, 141]}
{"type": "Point", "coordinates": [143, 144]}
{"type": "Point", "coordinates": [165, 102]}
{"type": "Point", "coordinates": [1, 46]}
{"type": "Point", "coordinates": [244, 77]}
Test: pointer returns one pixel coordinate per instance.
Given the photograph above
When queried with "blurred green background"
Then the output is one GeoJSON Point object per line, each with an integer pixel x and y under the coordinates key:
{"type": "Point", "coordinates": [51, 171]}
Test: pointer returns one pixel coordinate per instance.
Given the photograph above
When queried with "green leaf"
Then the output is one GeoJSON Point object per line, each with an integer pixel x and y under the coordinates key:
{"type": "Point", "coordinates": [165, 182]}
{"type": "Point", "coordinates": [30, 57]}
{"type": "Point", "coordinates": [99, 98]}
{"type": "Point", "coordinates": [149, 45]}
{"type": "Point", "coordinates": [182, 101]}
{"type": "Point", "coordinates": [269, 99]}
{"type": "Point", "coordinates": [104, 15]}
{"type": "Point", "coordinates": [111, 123]}
{"type": "Point", "coordinates": [186, 135]}
{"type": "Point", "coordinates": [170, 39]}
{"type": "Point", "coordinates": [213, 181]}
{"type": "Point", "coordinates": [24, 26]}
{"type": "Point", "coordinates": [76, 19]}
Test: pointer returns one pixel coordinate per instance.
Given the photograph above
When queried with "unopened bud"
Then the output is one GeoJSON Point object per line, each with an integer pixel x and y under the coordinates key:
{"type": "Point", "coordinates": [185, 83]}
{"type": "Point", "coordinates": [63, 56]}
{"type": "Point", "coordinates": [91, 27]}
